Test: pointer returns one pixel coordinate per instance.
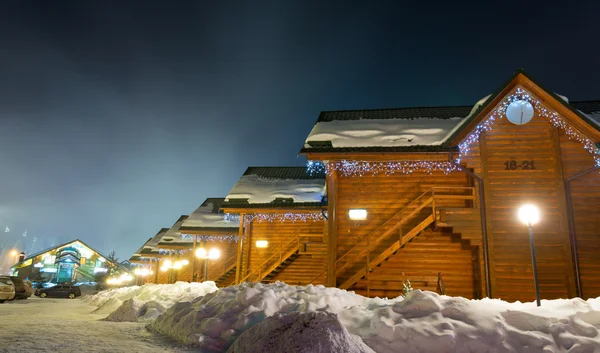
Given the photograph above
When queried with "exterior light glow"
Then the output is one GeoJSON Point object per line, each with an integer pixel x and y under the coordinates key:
{"type": "Point", "coordinates": [262, 243]}
{"type": "Point", "coordinates": [529, 214]}
{"type": "Point", "coordinates": [201, 253]}
{"type": "Point", "coordinates": [214, 254]}
{"type": "Point", "coordinates": [357, 214]}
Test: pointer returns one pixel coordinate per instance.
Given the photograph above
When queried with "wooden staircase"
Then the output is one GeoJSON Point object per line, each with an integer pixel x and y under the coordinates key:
{"type": "Point", "coordinates": [281, 257]}
{"type": "Point", "coordinates": [224, 274]}
{"type": "Point", "coordinates": [281, 267]}
{"type": "Point", "coordinates": [385, 241]}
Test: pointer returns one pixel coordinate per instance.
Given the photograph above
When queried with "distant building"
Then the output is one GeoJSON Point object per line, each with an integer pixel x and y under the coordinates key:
{"type": "Point", "coordinates": [74, 261]}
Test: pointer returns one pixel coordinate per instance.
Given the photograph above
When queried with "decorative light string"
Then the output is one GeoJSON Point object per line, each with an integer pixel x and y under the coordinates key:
{"type": "Point", "coordinates": [174, 252]}
{"type": "Point", "coordinates": [212, 238]}
{"type": "Point", "coordinates": [553, 117]}
{"type": "Point", "coordinates": [360, 168]}
{"type": "Point", "coordinates": [278, 217]}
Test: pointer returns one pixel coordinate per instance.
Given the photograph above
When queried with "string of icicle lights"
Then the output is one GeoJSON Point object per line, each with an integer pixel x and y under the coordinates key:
{"type": "Point", "coordinates": [278, 217]}
{"type": "Point", "coordinates": [174, 252]}
{"type": "Point", "coordinates": [212, 238]}
{"type": "Point", "coordinates": [360, 168]}
{"type": "Point", "coordinates": [353, 168]}
{"type": "Point", "coordinates": [500, 112]}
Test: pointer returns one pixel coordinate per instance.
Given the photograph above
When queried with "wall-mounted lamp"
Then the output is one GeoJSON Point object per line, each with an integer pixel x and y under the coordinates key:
{"type": "Point", "coordinates": [357, 214]}
{"type": "Point", "coordinates": [262, 243]}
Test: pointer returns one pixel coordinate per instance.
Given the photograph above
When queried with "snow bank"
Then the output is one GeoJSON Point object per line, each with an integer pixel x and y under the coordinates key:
{"type": "Point", "coordinates": [146, 302]}
{"type": "Point", "coordinates": [421, 322]}
{"type": "Point", "coordinates": [312, 332]}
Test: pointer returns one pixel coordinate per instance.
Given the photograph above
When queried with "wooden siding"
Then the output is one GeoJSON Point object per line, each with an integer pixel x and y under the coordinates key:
{"type": "Point", "coordinates": [585, 194]}
{"type": "Point", "coordinates": [307, 237]}
{"type": "Point", "coordinates": [506, 190]}
{"type": "Point", "coordinates": [420, 261]}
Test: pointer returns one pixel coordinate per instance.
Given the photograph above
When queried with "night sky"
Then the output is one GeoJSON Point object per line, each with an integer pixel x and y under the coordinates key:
{"type": "Point", "coordinates": [117, 117]}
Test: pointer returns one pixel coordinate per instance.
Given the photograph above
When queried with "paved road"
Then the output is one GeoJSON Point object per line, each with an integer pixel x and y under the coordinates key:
{"type": "Point", "coordinates": [65, 325]}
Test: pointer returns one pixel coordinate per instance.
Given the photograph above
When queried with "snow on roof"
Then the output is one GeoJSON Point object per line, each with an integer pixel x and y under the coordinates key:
{"type": "Point", "coordinates": [260, 190]}
{"type": "Point", "coordinates": [151, 245]}
{"type": "Point", "coordinates": [173, 234]}
{"type": "Point", "coordinates": [403, 128]}
{"type": "Point", "coordinates": [207, 216]}
{"type": "Point", "coordinates": [382, 132]}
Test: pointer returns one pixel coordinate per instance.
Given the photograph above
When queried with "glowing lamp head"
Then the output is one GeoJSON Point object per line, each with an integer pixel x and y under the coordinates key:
{"type": "Point", "coordinates": [201, 253]}
{"type": "Point", "coordinates": [185, 262]}
{"type": "Point", "coordinates": [529, 214]}
{"type": "Point", "coordinates": [167, 263]}
{"type": "Point", "coordinates": [357, 214]}
{"type": "Point", "coordinates": [14, 252]}
{"type": "Point", "coordinates": [262, 243]}
{"type": "Point", "coordinates": [177, 265]}
{"type": "Point", "coordinates": [214, 254]}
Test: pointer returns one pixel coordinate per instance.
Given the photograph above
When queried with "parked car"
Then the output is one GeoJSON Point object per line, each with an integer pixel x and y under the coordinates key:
{"type": "Point", "coordinates": [28, 287]}
{"type": "Point", "coordinates": [20, 289]}
{"type": "Point", "coordinates": [7, 289]}
{"type": "Point", "coordinates": [60, 291]}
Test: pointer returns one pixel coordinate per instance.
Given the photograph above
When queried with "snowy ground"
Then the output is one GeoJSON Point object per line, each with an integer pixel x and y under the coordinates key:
{"type": "Point", "coordinates": [64, 325]}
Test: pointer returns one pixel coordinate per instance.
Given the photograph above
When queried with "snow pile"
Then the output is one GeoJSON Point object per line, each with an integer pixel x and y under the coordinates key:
{"type": "Point", "coordinates": [264, 190]}
{"type": "Point", "coordinates": [214, 321]}
{"type": "Point", "coordinates": [146, 302]}
{"type": "Point", "coordinates": [312, 332]}
{"type": "Point", "coordinates": [421, 322]}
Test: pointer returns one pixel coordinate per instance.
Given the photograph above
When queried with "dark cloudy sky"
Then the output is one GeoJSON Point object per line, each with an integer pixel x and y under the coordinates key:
{"type": "Point", "coordinates": [116, 117]}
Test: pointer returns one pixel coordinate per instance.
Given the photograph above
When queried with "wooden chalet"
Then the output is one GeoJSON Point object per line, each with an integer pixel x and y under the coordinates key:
{"type": "Point", "coordinates": [441, 187]}
{"type": "Point", "coordinates": [149, 256]}
{"type": "Point", "coordinates": [206, 228]}
{"type": "Point", "coordinates": [281, 225]}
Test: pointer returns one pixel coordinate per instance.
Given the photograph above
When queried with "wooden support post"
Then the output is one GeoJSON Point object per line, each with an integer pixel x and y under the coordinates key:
{"type": "Point", "coordinates": [239, 249]}
{"type": "Point", "coordinates": [562, 214]}
{"type": "Point", "coordinates": [483, 153]}
{"type": "Point", "coordinates": [156, 271]}
{"type": "Point", "coordinates": [332, 181]}
{"type": "Point", "coordinates": [194, 259]}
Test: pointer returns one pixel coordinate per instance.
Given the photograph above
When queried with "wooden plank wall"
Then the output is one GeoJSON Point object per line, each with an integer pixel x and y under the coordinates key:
{"type": "Point", "coordinates": [383, 196]}
{"type": "Point", "coordinates": [506, 190]}
{"type": "Point", "coordinates": [307, 266]}
{"type": "Point", "coordinates": [420, 262]}
{"type": "Point", "coordinates": [585, 193]}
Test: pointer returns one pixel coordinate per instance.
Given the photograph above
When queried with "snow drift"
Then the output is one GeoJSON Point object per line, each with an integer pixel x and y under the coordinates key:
{"type": "Point", "coordinates": [421, 322]}
{"type": "Point", "coordinates": [311, 332]}
{"type": "Point", "coordinates": [146, 302]}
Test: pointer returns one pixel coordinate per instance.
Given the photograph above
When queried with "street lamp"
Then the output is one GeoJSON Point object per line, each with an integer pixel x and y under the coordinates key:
{"type": "Point", "coordinates": [213, 254]}
{"type": "Point", "coordinates": [530, 215]}
{"type": "Point", "coordinates": [15, 253]}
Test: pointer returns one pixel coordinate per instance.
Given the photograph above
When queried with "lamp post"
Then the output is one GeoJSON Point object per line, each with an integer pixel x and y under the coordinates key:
{"type": "Point", "coordinates": [530, 215]}
{"type": "Point", "coordinates": [213, 254]}
{"type": "Point", "coordinates": [15, 253]}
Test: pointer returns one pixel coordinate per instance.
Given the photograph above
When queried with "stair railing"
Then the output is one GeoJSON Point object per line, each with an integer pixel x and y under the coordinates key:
{"type": "Point", "coordinates": [434, 193]}
{"type": "Point", "coordinates": [282, 252]}
{"type": "Point", "coordinates": [225, 266]}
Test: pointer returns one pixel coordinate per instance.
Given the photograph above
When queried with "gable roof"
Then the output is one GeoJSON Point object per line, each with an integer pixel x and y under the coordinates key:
{"type": "Point", "coordinates": [207, 218]}
{"type": "Point", "coordinates": [173, 234]}
{"type": "Point", "coordinates": [417, 129]}
{"type": "Point", "coordinates": [277, 187]}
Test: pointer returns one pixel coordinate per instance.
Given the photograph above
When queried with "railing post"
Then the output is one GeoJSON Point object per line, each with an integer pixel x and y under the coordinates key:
{"type": "Point", "coordinates": [367, 266]}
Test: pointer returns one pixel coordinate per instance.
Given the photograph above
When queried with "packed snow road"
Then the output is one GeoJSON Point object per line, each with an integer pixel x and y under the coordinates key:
{"type": "Point", "coordinates": [65, 325]}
